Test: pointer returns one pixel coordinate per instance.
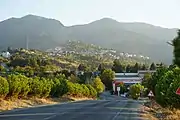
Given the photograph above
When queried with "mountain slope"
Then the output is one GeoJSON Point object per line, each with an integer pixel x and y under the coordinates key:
{"type": "Point", "coordinates": [40, 32]}
{"type": "Point", "coordinates": [43, 33]}
{"type": "Point", "coordinates": [127, 38]}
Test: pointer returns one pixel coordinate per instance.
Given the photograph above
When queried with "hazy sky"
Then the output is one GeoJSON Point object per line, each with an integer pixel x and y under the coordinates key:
{"type": "Point", "coordinates": [70, 12]}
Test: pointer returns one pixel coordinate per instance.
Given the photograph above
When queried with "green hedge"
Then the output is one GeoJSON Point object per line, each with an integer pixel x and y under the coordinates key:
{"type": "Point", "coordinates": [19, 86]}
{"type": "Point", "coordinates": [165, 90]}
{"type": "Point", "coordinates": [135, 90]}
{"type": "Point", "coordinates": [4, 87]}
{"type": "Point", "coordinates": [81, 90]}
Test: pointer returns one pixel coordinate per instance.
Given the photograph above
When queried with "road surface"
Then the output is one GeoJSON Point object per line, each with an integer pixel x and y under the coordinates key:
{"type": "Point", "coordinates": [109, 108]}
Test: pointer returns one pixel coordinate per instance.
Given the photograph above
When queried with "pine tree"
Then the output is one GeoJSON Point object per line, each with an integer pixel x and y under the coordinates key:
{"type": "Point", "coordinates": [153, 66]}
{"type": "Point", "coordinates": [143, 67]}
{"type": "Point", "coordinates": [128, 68]}
{"type": "Point", "coordinates": [176, 44]}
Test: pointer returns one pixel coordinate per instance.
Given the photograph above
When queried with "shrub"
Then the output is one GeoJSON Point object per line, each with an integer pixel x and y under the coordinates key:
{"type": "Point", "coordinates": [72, 78]}
{"type": "Point", "coordinates": [135, 90]}
{"type": "Point", "coordinates": [18, 85]}
{"type": "Point", "coordinates": [24, 81]}
{"type": "Point", "coordinates": [46, 87]}
{"type": "Point", "coordinates": [86, 91]}
{"type": "Point", "coordinates": [98, 85]}
{"type": "Point", "coordinates": [92, 91]}
{"type": "Point", "coordinates": [166, 88]}
{"type": "Point", "coordinates": [107, 77]}
{"type": "Point", "coordinates": [162, 87]}
{"type": "Point", "coordinates": [4, 87]}
{"type": "Point", "coordinates": [35, 86]}
{"type": "Point", "coordinates": [156, 77]}
{"type": "Point", "coordinates": [81, 90]}
{"type": "Point", "coordinates": [59, 86]}
{"type": "Point", "coordinates": [172, 98]}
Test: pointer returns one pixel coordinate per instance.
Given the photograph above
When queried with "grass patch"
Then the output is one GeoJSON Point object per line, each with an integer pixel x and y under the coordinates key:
{"type": "Point", "coordinates": [11, 104]}
{"type": "Point", "coordinates": [153, 111]}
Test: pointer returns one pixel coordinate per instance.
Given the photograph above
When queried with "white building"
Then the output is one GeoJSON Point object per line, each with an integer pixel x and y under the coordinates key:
{"type": "Point", "coordinates": [143, 72]}
{"type": "Point", "coordinates": [6, 54]}
{"type": "Point", "coordinates": [127, 78]}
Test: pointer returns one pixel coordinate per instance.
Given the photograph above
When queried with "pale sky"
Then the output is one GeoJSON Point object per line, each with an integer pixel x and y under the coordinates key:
{"type": "Point", "coordinates": [163, 13]}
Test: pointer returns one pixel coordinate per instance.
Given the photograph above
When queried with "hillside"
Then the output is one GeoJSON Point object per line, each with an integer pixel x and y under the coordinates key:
{"type": "Point", "coordinates": [93, 55]}
{"type": "Point", "coordinates": [42, 33]}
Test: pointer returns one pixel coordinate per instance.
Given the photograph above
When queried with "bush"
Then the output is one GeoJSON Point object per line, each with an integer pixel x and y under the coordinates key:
{"type": "Point", "coordinates": [162, 87]}
{"type": "Point", "coordinates": [98, 85]}
{"type": "Point", "coordinates": [107, 77]}
{"type": "Point", "coordinates": [81, 90]}
{"type": "Point", "coordinates": [46, 87]}
{"type": "Point", "coordinates": [156, 77]}
{"type": "Point", "coordinates": [40, 87]}
{"type": "Point", "coordinates": [4, 87]}
{"type": "Point", "coordinates": [92, 91]}
{"type": "Point", "coordinates": [86, 91]}
{"type": "Point", "coordinates": [24, 85]}
{"type": "Point", "coordinates": [172, 98]}
{"type": "Point", "coordinates": [35, 87]}
{"type": "Point", "coordinates": [135, 90]}
{"type": "Point", "coordinates": [73, 89]}
{"type": "Point", "coordinates": [59, 87]}
{"type": "Point", "coordinates": [18, 85]}
{"type": "Point", "coordinates": [166, 88]}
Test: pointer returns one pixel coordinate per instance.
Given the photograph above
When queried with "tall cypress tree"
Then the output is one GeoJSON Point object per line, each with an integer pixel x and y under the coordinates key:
{"type": "Point", "coordinates": [153, 66]}
{"type": "Point", "coordinates": [176, 44]}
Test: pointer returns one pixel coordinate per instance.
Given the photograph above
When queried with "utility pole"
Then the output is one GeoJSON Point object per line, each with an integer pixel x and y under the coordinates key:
{"type": "Point", "coordinates": [27, 43]}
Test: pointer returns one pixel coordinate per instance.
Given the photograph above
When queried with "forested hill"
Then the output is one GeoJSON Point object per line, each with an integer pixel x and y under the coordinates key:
{"type": "Point", "coordinates": [43, 33]}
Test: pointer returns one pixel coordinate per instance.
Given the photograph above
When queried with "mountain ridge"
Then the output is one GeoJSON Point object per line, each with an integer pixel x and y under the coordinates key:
{"type": "Point", "coordinates": [44, 33]}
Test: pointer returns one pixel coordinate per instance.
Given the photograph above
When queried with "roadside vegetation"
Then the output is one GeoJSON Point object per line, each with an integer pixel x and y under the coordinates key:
{"type": "Point", "coordinates": [163, 84]}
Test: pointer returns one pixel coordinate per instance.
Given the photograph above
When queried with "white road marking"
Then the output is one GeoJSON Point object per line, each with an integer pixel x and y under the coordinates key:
{"type": "Point", "coordinates": [30, 114]}
{"type": "Point", "coordinates": [50, 117]}
{"type": "Point", "coordinates": [116, 115]}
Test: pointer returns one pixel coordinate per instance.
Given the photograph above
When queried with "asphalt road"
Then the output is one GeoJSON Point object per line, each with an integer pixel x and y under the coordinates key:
{"type": "Point", "coordinates": [109, 108]}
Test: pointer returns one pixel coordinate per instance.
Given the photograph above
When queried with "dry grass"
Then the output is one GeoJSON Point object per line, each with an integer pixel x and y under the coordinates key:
{"type": "Point", "coordinates": [30, 102]}
{"type": "Point", "coordinates": [153, 111]}
{"type": "Point", "coordinates": [23, 103]}
{"type": "Point", "coordinates": [172, 114]}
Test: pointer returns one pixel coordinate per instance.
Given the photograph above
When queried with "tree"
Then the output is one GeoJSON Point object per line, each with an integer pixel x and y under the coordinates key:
{"type": "Point", "coordinates": [117, 67]}
{"type": "Point", "coordinates": [100, 67]}
{"type": "Point", "coordinates": [107, 78]}
{"type": "Point", "coordinates": [146, 81]}
{"type": "Point", "coordinates": [135, 68]}
{"type": "Point", "coordinates": [4, 87]}
{"type": "Point", "coordinates": [153, 66]}
{"type": "Point", "coordinates": [166, 89]}
{"type": "Point", "coordinates": [176, 44]}
{"type": "Point", "coordinates": [173, 99]}
{"type": "Point", "coordinates": [18, 85]}
{"type": "Point", "coordinates": [162, 86]}
{"type": "Point", "coordinates": [156, 77]}
{"type": "Point", "coordinates": [82, 67]}
{"type": "Point", "coordinates": [92, 91]}
{"type": "Point", "coordinates": [135, 90]}
{"type": "Point", "coordinates": [143, 67]}
{"type": "Point", "coordinates": [72, 78]}
{"type": "Point", "coordinates": [98, 85]}
{"type": "Point", "coordinates": [128, 68]}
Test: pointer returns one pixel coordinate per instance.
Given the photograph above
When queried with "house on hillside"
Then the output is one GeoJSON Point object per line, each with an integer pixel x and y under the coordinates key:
{"type": "Point", "coordinates": [6, 54]}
